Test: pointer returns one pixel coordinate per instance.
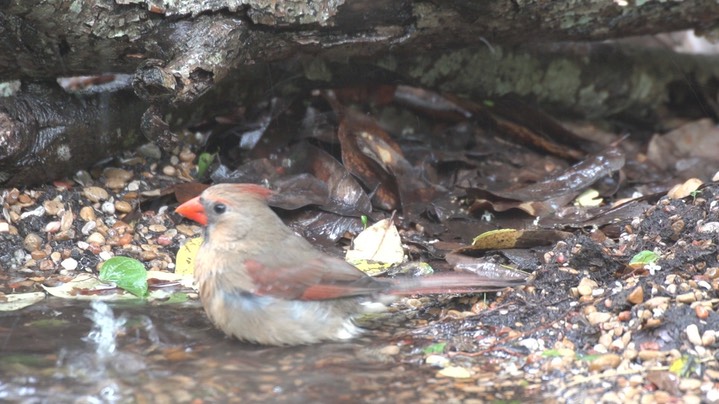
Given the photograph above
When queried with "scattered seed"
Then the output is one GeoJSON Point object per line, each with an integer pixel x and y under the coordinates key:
{"type": "Point", "coordinates": [606, 361]}
{"type": "Point", "coordinates": [688, 297]}
{"type": "Point", "coordinates": [693, 336]}
{"type": "Point", "coordinates": [66, 221]}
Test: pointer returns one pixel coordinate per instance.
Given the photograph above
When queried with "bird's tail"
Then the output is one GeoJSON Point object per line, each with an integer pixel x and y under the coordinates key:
{"type": "Point", "coordinates": [452, 282]}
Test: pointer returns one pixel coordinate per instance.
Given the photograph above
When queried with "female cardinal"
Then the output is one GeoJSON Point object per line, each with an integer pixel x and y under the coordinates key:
{"type": "Point", "coordinates": [261, 282]}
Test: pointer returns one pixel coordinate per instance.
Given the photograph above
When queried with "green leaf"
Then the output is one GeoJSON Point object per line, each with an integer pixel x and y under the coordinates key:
{"type": "Point", "coordinates": [203, 163]}
{"type": "Point", "coordinates": [127, 273]}
{"type": "Point", "coordinates": [551, 353]}
{"type": "Point", "coordinates": [435, 348]}
{"type": "Point", "coordinates": [588, 358]}
{"type": "Point", "coordinates": [645, 257]}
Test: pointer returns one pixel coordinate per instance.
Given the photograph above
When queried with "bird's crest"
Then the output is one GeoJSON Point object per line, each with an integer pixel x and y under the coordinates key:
{"type": "Point", "coordinates": [253, 189]}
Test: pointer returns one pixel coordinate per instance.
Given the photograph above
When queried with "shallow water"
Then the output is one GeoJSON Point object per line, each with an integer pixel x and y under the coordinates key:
{"type": "Point", "coordinates": [66, 351]}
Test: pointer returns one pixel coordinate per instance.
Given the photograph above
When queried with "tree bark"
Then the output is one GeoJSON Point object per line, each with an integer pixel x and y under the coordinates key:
{"type": "Point", "coordinates": [179, 51]}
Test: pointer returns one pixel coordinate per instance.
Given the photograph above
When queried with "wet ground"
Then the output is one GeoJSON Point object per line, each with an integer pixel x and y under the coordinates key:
{"type": "Point", "coordinates": [67, 351]}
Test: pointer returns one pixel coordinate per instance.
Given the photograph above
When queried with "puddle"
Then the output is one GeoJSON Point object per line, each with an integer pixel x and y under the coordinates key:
{"type": "Point", "coordinates": [69, 351]}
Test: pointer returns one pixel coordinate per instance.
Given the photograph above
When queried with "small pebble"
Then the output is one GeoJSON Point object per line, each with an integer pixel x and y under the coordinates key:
{"type": "Point", "coordinates": [604, 362]}
{"type": "Point", "coordinates": [148, 255]}
{"type": "Point", "coordinates": [701, 311]}
{"type": "Point", "coordinates": [657, 302]}
{"type": "Point", "coordinates": [586, 286]}
{"type": "Point", "coordinates": [133, 186]}
{"type": "Point", "coordinates": [617, 345]}
{"type": "Point", "coordinates": [169, 171]}
{"type": "Point", "coordinates": [87, 213]}
{"type": "Point", "coordinates": [636, 296]}
{"type": "Point", "coordinates": [69, 263]}
{"type": "Point", "coordinates": [390, 350]}
{"type": "Point", "coordinates": [38, 255]}
{"type": "Point", "coordinates": [187, 156]}
{"type": "Point", "coordinates": [24, 199]}
{"type": "Point", "coordinates": [83, 178]}
{"type": "Point", "coordinates": [52, 207]}
{"type": "Point", "coordinates": [650, 355]}
{"type": "Point", "coordinates": [708, 338]}
{"type": "Point", "coordinates": [115, 183]}
{"type": "Point", "coordinates": [12, 196]}
{"type": "Point", "coordinates": [157, 228]}
{"type": "Point", "coordinates": [123, 206]}
{"type": "Point", "coordinates": [605, 340]}
{"type": "Point", "coordinates": [598, 317]}
{"type": "Point", "coordinates": [95, 194]}
{"type": "Point", "coordinates": [709, 227]}
{"type": "Point", "coordinates": [105, 255]}
{"type": "Point", "coordinates": [125, 239]}
{"type": "Point", "coordinates": [188, 230]}
{"type": "Point", "coordinates": [32, 242]}
{"type": "Point", "coordinates": [686, 384]}
{"type": "Point", "coordinates": [88, 228]}
{"type": "Point", "coordinates": [531, 344]}
{"type": "Point", "coordinates": [437, 360]}
{"type": "Point", "coordinates": [96, 238]}
{"type": "Point", "coordinates": [689, 297]}
{"type": "Point", "coordinates": [164, 240]}
{"type": "Point", "coordinates": [45, 265]}
{"type": "Point", "coordinates": [150, 150]}
{"type": "Point", "coordinates": [108, 207]}
{"type": "Point", "coordinates": [117, 173]}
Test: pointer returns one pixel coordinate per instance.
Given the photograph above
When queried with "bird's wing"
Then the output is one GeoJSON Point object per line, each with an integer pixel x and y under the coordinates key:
{"type": "Point", "coordinates": [318, 278]}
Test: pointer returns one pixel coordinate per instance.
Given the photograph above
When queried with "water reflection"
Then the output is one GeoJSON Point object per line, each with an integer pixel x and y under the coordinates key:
{"type": "Point", "coordinates": [65, 351]}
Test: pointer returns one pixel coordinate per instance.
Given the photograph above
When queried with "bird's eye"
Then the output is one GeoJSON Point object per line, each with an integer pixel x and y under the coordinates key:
{"type": "Point", "coordinates": [219, 208]}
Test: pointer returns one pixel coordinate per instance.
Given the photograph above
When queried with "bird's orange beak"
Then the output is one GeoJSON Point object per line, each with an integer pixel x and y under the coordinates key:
{"type": "Point", "coordinates": [193, 210]}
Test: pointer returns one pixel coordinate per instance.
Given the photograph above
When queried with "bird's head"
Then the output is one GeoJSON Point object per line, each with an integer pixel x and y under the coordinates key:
{"type": "Point", "coordinates": [235, 206]}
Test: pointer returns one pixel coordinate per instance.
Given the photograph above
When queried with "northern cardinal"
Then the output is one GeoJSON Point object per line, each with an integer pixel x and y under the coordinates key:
{"type": "Point", "coordinates": [262, 283]}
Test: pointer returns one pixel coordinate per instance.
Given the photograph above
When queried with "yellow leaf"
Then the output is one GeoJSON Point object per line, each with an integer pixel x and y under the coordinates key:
{"type": "Point", "coordinates": [497, 239]}
{"type": "Point", "coordinates": [589, 198]}
{"type": "Point", "coordinates": [185, 261]}
{"type": "Point", "coordinates": [17, 301]}
{"type": "Point", "coordinates": [380, 243]}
